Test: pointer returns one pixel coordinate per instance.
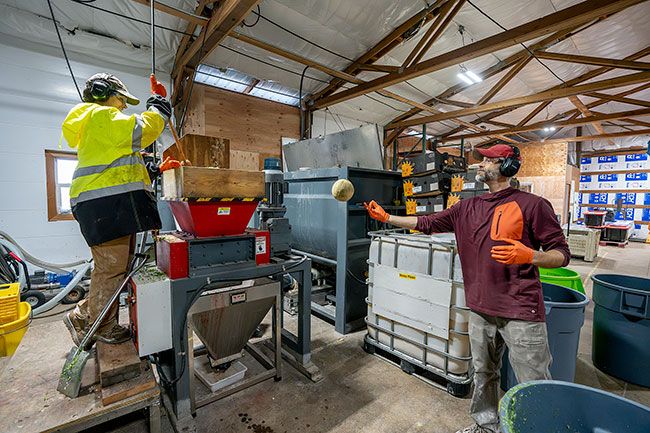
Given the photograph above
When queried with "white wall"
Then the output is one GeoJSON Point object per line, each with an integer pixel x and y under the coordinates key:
{"type": "Point", "coordinates": [36, 92]}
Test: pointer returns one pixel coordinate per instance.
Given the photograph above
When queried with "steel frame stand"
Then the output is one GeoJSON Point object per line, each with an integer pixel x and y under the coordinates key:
{"type": "Point", "coordinates": [178, 397]}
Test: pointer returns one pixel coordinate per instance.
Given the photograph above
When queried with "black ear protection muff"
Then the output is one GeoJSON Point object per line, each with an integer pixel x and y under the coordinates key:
{"type": "Point", "coordinates": [101, 90]}
{"type": "Point", "coordinates": [511, 165]}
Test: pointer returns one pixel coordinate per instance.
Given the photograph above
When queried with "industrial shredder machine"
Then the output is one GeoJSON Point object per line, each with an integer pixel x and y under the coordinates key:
{"type": "Point", "coordinates": [216, 280]}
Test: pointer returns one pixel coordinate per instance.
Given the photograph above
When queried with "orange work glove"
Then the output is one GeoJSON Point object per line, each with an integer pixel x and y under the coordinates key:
{"type": "Point", "coordinates": [168, 164]}
{"type": "Point", "coordinates": [157, 88]}
{"type": "Point", "coordinates": [376, 211]}
{"type": "Point", "coordinates": [514, 254]}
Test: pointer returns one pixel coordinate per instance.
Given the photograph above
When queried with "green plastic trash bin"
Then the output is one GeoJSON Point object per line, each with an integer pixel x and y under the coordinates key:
{"type": "Point", "coordinates": [564, 277]}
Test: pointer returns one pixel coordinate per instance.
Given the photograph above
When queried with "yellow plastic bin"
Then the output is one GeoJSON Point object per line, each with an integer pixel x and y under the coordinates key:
{"type": "Point", "coordinates": [11, 333]}
{"type": "Point", "coordinates": [9, 300]}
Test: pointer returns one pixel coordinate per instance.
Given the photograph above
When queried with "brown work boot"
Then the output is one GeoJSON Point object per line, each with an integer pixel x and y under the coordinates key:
{"type": "Point", "coordinates": [114, 335]}
{"type": "Point", "coordinates": [76, 326]}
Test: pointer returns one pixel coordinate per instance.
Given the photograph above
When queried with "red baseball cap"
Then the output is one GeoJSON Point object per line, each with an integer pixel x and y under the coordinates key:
{"type": "Point", "coordinates": [497, 151]}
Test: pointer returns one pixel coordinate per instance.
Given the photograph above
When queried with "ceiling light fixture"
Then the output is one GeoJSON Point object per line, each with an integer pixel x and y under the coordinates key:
{"type": "Point", "coordinates": [473, 76]}
{"type": "Point", "coordinates": [468, 76]}
{"type": "Point", "coordinates": [465, 78]}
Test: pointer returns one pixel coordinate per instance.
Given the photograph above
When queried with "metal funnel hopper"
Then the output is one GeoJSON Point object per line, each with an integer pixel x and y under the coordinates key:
{"type": "Point", "coordinates": [225, 319]}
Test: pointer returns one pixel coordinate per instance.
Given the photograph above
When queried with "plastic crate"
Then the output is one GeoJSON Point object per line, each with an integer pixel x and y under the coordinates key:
{"type": "Point", "coordinates": [616, 233]}
{"type": "Point", "coordinates": [9, 302]}
{"type": "Point", "coordinates": [583, 242]}
{"type": "Point", "coordinates": [594, 218]}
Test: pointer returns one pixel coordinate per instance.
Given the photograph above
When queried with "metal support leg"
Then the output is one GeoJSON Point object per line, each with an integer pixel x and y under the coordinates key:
{"type": "Point", "coordinates": [277, 336]}
{"type": "Point", "coordinates": [298, 354]}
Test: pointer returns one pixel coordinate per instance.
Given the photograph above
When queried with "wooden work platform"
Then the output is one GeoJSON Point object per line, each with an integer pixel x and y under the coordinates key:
{"type": "Point", "coordinates": [29, 401]}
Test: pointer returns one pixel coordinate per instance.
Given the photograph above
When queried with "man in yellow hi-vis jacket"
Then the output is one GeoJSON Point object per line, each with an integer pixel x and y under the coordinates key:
{"type": "Point", "coordinates": [111, 194]}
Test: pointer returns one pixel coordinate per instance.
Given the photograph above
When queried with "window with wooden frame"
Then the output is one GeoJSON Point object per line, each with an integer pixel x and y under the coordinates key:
{"type": "Point", "coordinates": [59, 168]}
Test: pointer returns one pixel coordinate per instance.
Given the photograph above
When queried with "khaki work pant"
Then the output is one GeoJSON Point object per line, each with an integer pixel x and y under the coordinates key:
{"type": "Point", "coordinates": [111, 264]}
{"type": "Point", "coordinates": [528, 353]}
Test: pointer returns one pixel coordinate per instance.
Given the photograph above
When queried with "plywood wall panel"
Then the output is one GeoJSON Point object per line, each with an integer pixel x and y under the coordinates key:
{"type": "Point", "coordinates": [243, 160]}
{"type": "Point", "coordinates": [194, 122]}
{"type": "Point", "coordinates": [252, 124]}
{"type": "Point", "coordinates": [543, 159]}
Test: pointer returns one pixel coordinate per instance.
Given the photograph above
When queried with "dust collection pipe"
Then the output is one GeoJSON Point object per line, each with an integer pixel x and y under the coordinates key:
{"type": "Point", "coordinates": [8, 242]}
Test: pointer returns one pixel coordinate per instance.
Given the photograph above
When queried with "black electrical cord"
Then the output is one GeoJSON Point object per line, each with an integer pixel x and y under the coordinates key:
{"type": "Point", "coordinates": [243, 23]}
{"type": "Point", "coordinates": [163, 378]}
{"type": "Point", "coordinates": [302, 38]}
{"type": "Point", "coordinates": [58, 34]}
{"type": "Point", "coordinates": [86, 3]}
{"type": "Point", "coordinates": [354, 277]}
{"type": "Point", "coordinates": [300, 105]}
{"type": "Point", "coordinates": [271, 64]}
{"type": "Point", "coordinates": [259, 16]}
{"type": "Point", "coordinates": [525, 47]}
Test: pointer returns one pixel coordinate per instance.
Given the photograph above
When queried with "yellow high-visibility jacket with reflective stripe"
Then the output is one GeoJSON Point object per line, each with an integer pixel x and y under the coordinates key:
{"type": "Point", "coordinates": [108, 146]}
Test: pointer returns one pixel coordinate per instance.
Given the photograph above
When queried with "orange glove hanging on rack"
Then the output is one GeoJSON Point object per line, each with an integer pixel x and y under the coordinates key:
{"type": "Point", "coordinates": [169, 164]}
{"type": "Point", "coordinates": [376, 211]}
{"type": "Point", "coordinates": [514, 254]}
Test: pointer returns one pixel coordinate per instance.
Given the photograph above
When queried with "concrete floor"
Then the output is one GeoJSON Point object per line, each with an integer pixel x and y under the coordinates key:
{"type": "Point", "coordinates": [362, 393]}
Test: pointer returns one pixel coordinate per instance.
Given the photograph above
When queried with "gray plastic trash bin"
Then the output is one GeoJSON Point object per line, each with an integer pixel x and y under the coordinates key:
{"type": "Point", "coordinates": [548, 406]}
{"type": "Point", "coordinates": [621, 337]}
{"type": "Point", "coordinates": [565, 314]}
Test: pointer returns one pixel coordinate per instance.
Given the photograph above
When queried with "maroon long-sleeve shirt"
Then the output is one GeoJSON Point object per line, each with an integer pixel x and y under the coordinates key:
{"type": "Point", "coordinates": [479, 223]}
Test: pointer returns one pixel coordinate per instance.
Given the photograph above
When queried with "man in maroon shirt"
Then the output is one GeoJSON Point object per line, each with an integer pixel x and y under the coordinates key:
{"type": "Point", "coordinates": [499, 236]}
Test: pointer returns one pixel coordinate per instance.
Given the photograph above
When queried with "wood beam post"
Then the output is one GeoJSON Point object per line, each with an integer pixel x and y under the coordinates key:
{"type": "Point", "coordinates": [179, 13]}
{"type": "Point", "coordinates": [224, 18]}
{"type": "Point", "coordinates": [562, 123]}
{"type": "Point", "coordinates": [184, 43]}
{"type": "Point", "coordinates": [548, 95]}
{"type": "Point", "coordinates": [592, 137]}
{"type": "Point", "coordinates": [574, 15]}
{"type": "Point", "coordinates": [345, 76]}
{"type": "Point", "coordinates": [598, 61]}
{"type": "Point", "coordinates": [384, 46]}
{"type": "Point", "coordinates": [504, 80]}
{"type": "Point", "coordinates": [623, 99]}
{"type": "Point", "coordinates": [440, 24]}
{"type": "Point", "coordinates": [586, 113]}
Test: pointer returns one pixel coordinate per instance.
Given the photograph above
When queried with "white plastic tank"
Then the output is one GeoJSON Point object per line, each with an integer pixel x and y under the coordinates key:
{"type": "Point", "coordinates": [416, 301]}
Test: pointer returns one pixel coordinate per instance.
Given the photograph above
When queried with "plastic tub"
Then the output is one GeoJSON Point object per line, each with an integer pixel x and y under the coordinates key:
{"type": "Point", "coordinates": [11, 333]}
{"type": "Point", "coordinates": [562, 277]}
{"type": "Point", "coordinates": [9, 300]}
{"type": "Point", "coordinates": [565, 314]}
{"type": "Point", "coordinates": [621, 330]}
{"type": "Point", "coordinates": [549, 406]}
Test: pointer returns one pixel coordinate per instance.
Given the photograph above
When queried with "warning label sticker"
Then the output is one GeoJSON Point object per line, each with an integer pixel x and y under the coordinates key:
{"type": "Point", "coordinates": [260, 245]}
{"type": "Point", "coordinates": [407, 276]}
{"type": "Point", "coordinates": [223, 211]}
